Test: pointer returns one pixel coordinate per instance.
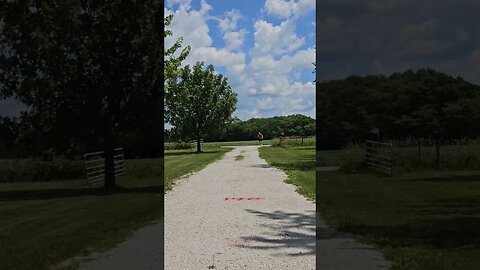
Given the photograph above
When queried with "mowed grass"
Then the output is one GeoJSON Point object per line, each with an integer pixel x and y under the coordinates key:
{"type": "Point", "coordinates": [298, 163]}
{"type": "Point", "coordinates": [45, 223]}
{"type": "Point", "coordinates": [238, 143]}
{"type": "Point", "coordinates": [427, 220]}
{"type": "Point", "coordinates": [181, 162]}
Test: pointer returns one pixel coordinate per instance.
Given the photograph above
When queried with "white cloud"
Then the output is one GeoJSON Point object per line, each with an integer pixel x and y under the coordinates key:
{"type": "Point", "coordinates": [270, 83]}
{"type": "Point", "coordinates": [230, 20]}
{"type": "Point", "coordinates": [234, 40]}
{"type": "Point", "coordinates": [288, 8]}
{"type": "Point", "coordinates": [218, 57]}
{"type": "Point", "coordinates": [191, 25]}
{"type": "Point", "coordinates": [275, 40]}
{"type": "Point", "coordinates": [247, 114]}
{"type": "Point", "coordinates": [171, 3]}
{"type": "Point", "coordinates": [266, 104]}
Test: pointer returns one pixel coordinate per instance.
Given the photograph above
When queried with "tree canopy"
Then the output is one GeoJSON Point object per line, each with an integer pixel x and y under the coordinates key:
{"type": "Point", "coordinates": [89, 72]}
{"type": "Point", "coordinates": [200, 103]}
{"type": "Point", "coordinates": [172, 62]}
{"type": "Point", "coordinates": [270, 127]}
{"type": "Point", "coordinates": [424, 103]}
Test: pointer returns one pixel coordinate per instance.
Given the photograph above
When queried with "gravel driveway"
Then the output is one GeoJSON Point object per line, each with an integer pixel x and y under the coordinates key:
{"type": "Point", "coordinates": [238, 214]}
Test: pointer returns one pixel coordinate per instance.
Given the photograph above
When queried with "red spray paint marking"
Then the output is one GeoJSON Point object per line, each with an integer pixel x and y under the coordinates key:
{"type": "Point", "coordinates": [242, 198]}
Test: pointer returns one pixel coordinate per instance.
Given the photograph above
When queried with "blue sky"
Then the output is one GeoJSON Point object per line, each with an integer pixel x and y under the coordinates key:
{"type": "Point", "coordinates": [264, 47]}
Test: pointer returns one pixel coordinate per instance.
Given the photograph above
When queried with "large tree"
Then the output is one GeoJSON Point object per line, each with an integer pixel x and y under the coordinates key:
{"type": "Point", "coordinates": [89, 72]}
{"type": "Point", "coordinates": [200, 103]}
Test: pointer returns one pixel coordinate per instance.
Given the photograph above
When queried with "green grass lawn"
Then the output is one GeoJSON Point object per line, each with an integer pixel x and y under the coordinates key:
{"type": "Point", "coordinates": [427, 220]}
{"type": "Point", "coordinates": [45, 223]}
{"type": "Point", "coordinates": [297, 162]}
{"type": "Point", "coordinates": [328, 158]}
{"type": "Point", "coordinates": [182, 162]}
{"type": "Point", "coordinates": [237, 143]}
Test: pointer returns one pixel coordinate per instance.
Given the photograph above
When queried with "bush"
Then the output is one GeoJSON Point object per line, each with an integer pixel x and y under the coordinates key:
{"type": "Point", "coordinates": [28, 170]}
{"type": "Point", "coordinates": [178, 145]}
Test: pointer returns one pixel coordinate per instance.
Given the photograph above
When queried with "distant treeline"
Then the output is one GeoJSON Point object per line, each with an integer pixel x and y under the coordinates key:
{"type": "Point", "coordinates": [422, 103]}
{"type": "Point", "coordinates": [21, 137]}
{"type": "Point", "coordinates": [237, 130]}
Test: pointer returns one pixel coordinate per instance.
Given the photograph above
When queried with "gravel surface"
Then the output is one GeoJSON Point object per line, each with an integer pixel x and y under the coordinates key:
{"type": "Point", "coordinates": [263, 223]}
{"type": "Point", "coordinates": [238, 215]}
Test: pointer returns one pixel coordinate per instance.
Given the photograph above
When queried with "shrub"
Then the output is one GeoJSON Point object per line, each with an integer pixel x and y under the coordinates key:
{"type": "Point", "coordinates": [352, 159]}
{"type": "Point", "coordinates": [27, 170]}
{"type": "Point", "coordinates": [178, 145]}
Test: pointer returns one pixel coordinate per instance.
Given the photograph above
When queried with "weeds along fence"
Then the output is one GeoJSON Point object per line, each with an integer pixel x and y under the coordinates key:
{"type": "Point", "coordinates": [412, 154]}
{"type": "Point", "coordinates": [458, 154]}
{"type": "Point", "coordinates": [295, 141]}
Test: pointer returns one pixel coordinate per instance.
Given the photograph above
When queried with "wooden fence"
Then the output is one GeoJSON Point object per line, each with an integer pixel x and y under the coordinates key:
{"type": "Point", "coordinates": [378, 156]}
{"type": "Point", "coordinates": [95, 166]}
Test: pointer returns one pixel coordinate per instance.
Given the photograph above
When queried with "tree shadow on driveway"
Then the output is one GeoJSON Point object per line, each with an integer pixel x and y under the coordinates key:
{"type": "Point", "coordinates": [288, 233]}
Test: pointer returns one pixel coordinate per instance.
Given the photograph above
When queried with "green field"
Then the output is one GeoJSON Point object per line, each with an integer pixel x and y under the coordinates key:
{"type": "Point", "coordinates": [308, 141]}
{"type": "Point", "coordinates": [297, 162]}
{"type": "Point", "coordinates": [429, 219]}
{"type": "Point", "coordinates": [181, 162]}
{"type": "Point", "coordinates": [45, 223]}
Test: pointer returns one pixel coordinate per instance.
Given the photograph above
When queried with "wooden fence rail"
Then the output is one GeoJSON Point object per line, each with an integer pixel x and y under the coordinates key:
{"type": "Point", "coordinates": [95, 166]}
{"type": "Point", "coordinates": [378, 156]}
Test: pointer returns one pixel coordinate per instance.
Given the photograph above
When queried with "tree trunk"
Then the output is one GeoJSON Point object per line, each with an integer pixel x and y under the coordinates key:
{"type": "Point", "coordinates": [109, 168]}
{"type": "Point", "coordinates": [199, 146]}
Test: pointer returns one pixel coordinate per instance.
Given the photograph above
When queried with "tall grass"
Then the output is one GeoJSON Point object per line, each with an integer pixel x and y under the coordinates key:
{"type": "Point", "coordinates": [178, 145]}
{"type": "Point", "coordinates": [294, 142]}
{"type": "Point", "coordinates": [413, 155]}
{"type": "Point", "coordinates": [28, 170]}
{"type": "Point", "coordinates": [352, 159]}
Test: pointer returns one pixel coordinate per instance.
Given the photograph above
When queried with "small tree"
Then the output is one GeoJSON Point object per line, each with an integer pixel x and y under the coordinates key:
{"type": "Point", "coordinates": [199, 103]}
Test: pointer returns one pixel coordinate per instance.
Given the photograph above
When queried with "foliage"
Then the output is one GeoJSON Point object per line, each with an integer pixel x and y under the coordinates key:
{"type": "Point", "coordinates": [424, 103]}
{"type": "Point", "coordinates": [178, 145]}
{"type": "Point", "coordinates": [200, 103]}
{"type": "Point", "coordinates": [172, 63]}
{"type": "Point", "coordinates": [272, 127]}
{"type": "Point", "coordinates": [26, 170]}
{"type": "Point", "coordinates": [88, 71]}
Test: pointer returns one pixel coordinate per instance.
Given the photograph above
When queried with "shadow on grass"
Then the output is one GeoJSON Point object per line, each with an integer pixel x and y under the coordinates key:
{"type": "Point", "coordinates": [460, 178]}
{"type": "Point", "coordinates": [19, 195]}
{"type": "Point", "coordinates": [183, 153]}
{"type": "Point", "coordinates": [453, 233]}
{"type": "Point", "coordinates": [298, 165]}
{"type": "Point", "coordinates": [265, 166]}
{"type": "Point", "coordinates": [290, 231]}
{"type": "Point", "coordinates": [441, 178]}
